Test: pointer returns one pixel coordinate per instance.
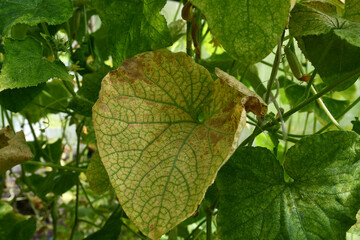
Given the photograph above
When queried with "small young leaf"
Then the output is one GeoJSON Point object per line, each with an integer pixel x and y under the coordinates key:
{"type": "Point", "coordinates": [13, 149]}
{"type": "Point", "coordinates": [160, 158]}
{"type": "Point", "coordinates": [320, 203]}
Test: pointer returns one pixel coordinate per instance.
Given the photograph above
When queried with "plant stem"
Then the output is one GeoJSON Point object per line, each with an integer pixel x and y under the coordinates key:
{"type": "Point", "coordinates": [340, 115]}
{"type": "Point", "coordinates": [306, 121]}
{"type": "Point", "coordinates": [308, 87]}
{"type": "Point", "coordinates": [328, 113]}
{"type": "Point", "coordinates": [47, 33]}
{"type": "Point", "coordinates": [325, 90]}
{"type": "Point", "coordinates": [54, 216]}
{"type": "Point", "coordinates": [78, 133]}
{"type": "Point", "coordinates": [74, 169]}
{"type": "Point", "coordinates": [177, 10]}
{"type": "Point", "coordinates": [2, 185]}
{"type": "Point", "coordinates": [286, 115]}
{"type": "Point", "coordinates": [274, 69]}
{"type": "Point", "coordinates": [90, 203]}
{"type": "Point", "coordinates": [270, 65]}
{"type": "Point", "coordinates": [188, 39]}
{"type": "Point", "coordinates": [314, 125]}
{"type": "Point", "coordinates": [9, 119]}
{"type": "Point", "coordinates": [208, 224]}
{"type": "Point", "coordinates": [193, 231]}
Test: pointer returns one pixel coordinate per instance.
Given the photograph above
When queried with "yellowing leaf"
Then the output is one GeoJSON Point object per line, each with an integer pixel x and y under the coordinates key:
{"type": "Point", "coordinates": [164, 128]}
{"type": "Point", "coordinates": [13, 149]}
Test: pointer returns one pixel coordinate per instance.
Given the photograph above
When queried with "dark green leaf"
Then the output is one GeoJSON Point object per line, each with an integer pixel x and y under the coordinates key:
{"type": "Point", "coordinates": [248, 30]}
{"type": "Point", "coordinates": [332, 44]}
{"type": "Point", "coordinates": [92, 83]}
{"type": "Point", "coordinates": [356, 125]}
{"type": "Point", "coordinates": [54, 151]}
{"type": "Point", "coordinates": [25, 66]}
{"type": "Point", "coordinates": [33, 12]}
{"type": "Point", "coordinates": [111, 229]}
{"type": "Point", "coordinates": [15, 226]}
{"type": "Point", "coordinates": [137, 29]}
{"type": "Point", "coordinates": [320, 203]}
{"type": "Point", "coordinates": [97, 175]}
{"type": "Point", "coordinates": [16, 99]}
{"type": "Point", "coordinates": [53, 99]}
{"type": "Point", "coordinates": [64, 181]}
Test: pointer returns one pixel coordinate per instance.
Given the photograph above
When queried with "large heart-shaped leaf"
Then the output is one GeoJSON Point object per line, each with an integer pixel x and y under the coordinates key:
{"type": "Point", "coordinates": [320, 203]}
{"type": "Point", "coordinates": [164, 128]}
{"type": "Point", "coordinates": [248, 30]}
{"type": "Point", "coordinates": [331, 43]}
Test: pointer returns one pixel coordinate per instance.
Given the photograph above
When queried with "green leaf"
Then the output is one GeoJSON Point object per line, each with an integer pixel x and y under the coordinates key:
{"type": "Point", "coordinates": [332, 44]}
{"type": "Point", "coordinates": [97, 175]}
{"type": "Point", "coordinates": [25, 66]}
{"type": "Point", "coordinates": [320, 203]}
{"type": "Point", "coordinates": [15, 226]}
{"type": "Point", "coordinates": [248, 30]}
{"type": "Point", "coordinates": [33, 12]}
{"type": "Point", "coordinates": [137, 29]}
{"type": "Point", "coordinates": [64, 181]}
{"type": "Point", "coordinates": [16, 99]}
{"type": "Point", "coordinates": [356, 125]}
{"type": "Point", "coordinates": [160, 158]}
{"type": "Point", "coordinates": [112, 228]}
{"type": "Point", "coordinates": [53, 99]}
{"type": "Point", "coordinates": [352, 10]}
{"type": "Point", "coordinates": [13, 149]}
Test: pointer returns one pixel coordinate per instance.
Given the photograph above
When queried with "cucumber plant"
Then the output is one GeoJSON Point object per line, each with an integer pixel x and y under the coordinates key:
{"type": "Point", "coordinates": [189, 119]}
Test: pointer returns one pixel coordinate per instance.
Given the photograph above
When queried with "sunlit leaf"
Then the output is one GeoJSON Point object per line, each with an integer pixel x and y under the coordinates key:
{"type": "Point", "coordinates": [248, 30]}
{"type": "Point", "coordinates": [164, 128]}
{"type": "Point", "coordinates": [137, 29]}
{"type": "Point", "coordinates": [25, 66]}
{"type": "Point", "coordinates": [33, 12]}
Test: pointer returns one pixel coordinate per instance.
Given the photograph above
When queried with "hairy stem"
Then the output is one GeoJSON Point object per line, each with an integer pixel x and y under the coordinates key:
{"type": "Point", "coordinates": [340, 115]}
{"type": "Point", "coordinates": [274, 69]}
{"type": "Point", "coordinates": [328, 113]}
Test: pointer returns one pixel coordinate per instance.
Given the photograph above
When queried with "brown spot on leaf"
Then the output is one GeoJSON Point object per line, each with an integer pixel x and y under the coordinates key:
{"type": "Point", "coordinates": [253, 105]}
{"type": "Point", "coordinates": [215, 138]}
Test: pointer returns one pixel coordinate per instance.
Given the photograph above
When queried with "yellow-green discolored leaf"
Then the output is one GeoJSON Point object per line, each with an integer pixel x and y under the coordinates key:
{"type": "Point", "coordinates": [13, 149]}
{"type": "Point", "coordinates": [164, 128]}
